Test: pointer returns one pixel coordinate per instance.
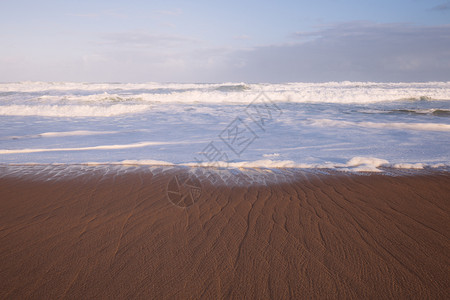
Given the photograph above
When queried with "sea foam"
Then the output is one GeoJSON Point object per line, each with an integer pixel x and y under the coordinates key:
{"type": "Point", "coordinates": [71, 110]}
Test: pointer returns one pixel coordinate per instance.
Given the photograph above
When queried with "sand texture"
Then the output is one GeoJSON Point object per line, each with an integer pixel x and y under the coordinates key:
{"type": "Point", "coordinates": [117, 236]}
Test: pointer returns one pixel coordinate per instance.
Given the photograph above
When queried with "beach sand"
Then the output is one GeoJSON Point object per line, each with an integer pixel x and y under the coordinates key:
{"type": "Point", "coordinates": [85, 233]}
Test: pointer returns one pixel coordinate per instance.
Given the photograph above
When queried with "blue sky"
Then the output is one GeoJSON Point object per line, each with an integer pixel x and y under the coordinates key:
{"type": "Point", "coordinates": [223, 41]}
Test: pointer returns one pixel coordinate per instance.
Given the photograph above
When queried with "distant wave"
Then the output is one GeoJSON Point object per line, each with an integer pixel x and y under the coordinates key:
{"type": "Point", "coordinates": [71, 110]}
{"type": "Point", "coordinates": [391, 125]}
{"type": "Point", "coordinates": [331, 92]}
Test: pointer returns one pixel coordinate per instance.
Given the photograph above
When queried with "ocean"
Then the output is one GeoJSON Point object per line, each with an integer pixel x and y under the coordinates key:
{"type": "Point", "coordinates": [350, 126]}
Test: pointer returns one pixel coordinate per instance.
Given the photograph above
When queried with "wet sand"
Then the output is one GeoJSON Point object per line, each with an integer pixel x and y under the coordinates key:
{"type": "Point", "coordinates": [119, 235]}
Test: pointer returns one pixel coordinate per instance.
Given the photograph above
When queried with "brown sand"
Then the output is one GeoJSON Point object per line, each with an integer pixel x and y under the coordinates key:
{"type": "Point", "coordinates": [319, 236]}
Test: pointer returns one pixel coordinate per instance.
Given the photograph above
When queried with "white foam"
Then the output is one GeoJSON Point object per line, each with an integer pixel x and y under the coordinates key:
{"type": "Point", "coordinates": [101, 147]}
{"type": "Point", "coordinates": [60, 134]}
{"type": "Point", "coordinates": [271, 155]}
{"type": "Point", "coordinates": [66, 133]}
{"type": "Point", "coordinates": [71, 110]}
{"type": "Point", "coordinates": [355, 164]}
{"type": "Point", "coordinates": [366, 164]}
{"type": "Point", "coordinates": [381, 125]}
{"type": "Point", "coordinates": [414, 166]}
{"type": "Point", "coordinates": [143, 162]}
{"type": "Point", "coordinates": [74, 133]}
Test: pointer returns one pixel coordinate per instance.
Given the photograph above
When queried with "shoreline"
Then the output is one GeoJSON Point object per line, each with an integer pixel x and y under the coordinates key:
{"type": "Point", "coordinates": [121, 232]}
{"type": "Point", "coordinates": [31, 169]}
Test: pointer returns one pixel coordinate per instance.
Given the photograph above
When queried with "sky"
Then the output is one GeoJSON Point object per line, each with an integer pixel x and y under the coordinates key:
{"type": "Point", "coordinates": [225, 41]}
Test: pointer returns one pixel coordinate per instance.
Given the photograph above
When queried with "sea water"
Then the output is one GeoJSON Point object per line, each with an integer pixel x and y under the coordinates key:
{"type": "Point", "coordinates": [360, 126]}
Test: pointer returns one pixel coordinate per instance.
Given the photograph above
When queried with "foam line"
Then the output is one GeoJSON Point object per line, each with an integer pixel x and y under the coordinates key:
{"type": "Point", "coordinates": [355, 164]}
{"type": "Point", "coordinates": [102, 147]}
{"type": "Point", "coordinates": [60, 134]}
{"type": "Point", "coordinates": [394, 125]}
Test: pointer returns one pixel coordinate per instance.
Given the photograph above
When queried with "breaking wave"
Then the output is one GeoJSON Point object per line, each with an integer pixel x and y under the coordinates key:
{"type": "Point", "coordinates": [330, 92]}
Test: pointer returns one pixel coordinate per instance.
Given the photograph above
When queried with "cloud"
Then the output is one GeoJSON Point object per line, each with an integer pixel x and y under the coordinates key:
{"type": "Point", "coordinates": [442, 7]}
{"type": "Point", "coordinates": [356, 51]}
{"type": "Point", "coordinates": [359, 51]}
